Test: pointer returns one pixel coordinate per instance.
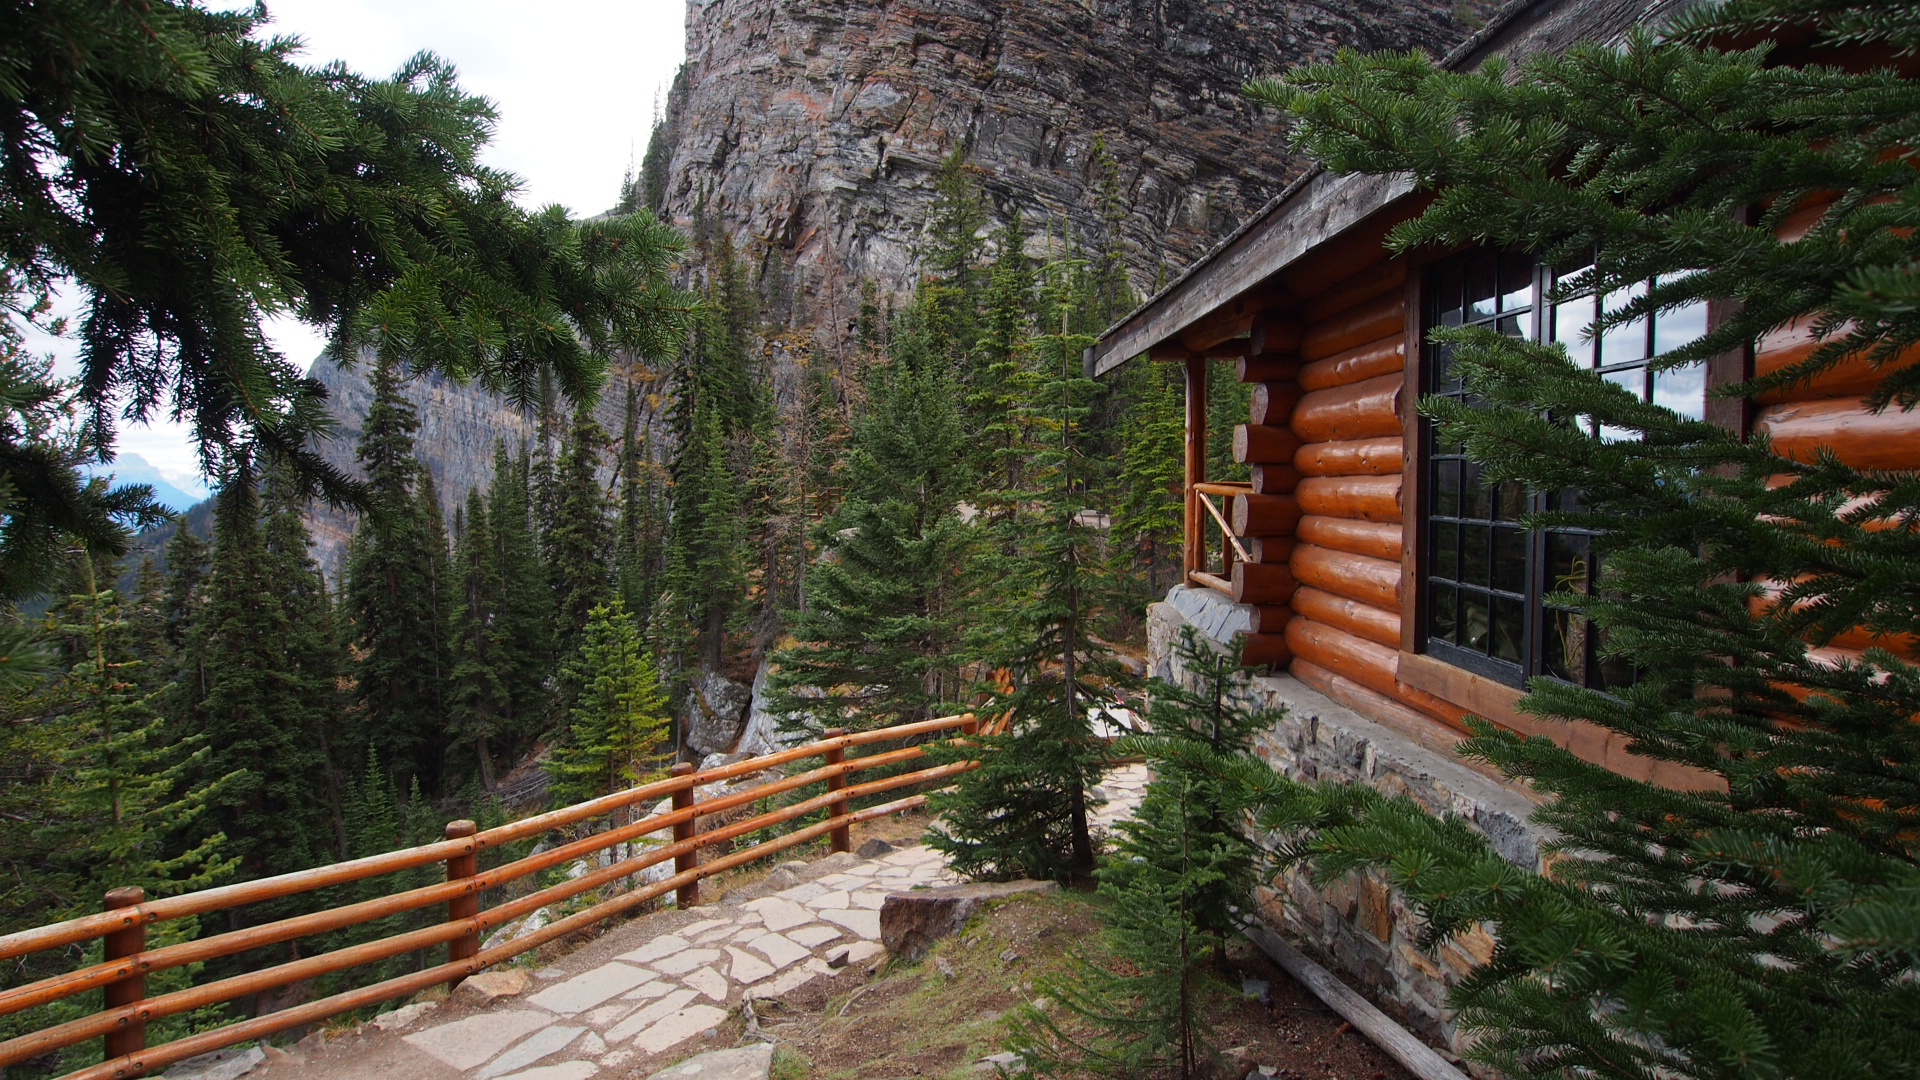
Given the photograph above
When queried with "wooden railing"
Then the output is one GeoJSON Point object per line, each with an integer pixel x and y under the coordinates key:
{"type": "Point", "coordinates": [123, 926]}
{"type": "Point", "coordinates": [1232, 549]}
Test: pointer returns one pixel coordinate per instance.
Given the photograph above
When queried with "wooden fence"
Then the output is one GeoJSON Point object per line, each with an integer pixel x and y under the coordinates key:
{"type": "Point", "coordinates": [122, 1022]}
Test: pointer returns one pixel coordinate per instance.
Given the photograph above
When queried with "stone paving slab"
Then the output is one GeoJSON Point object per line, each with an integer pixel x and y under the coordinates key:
{"type": "Point", "coordinates": [590, 1022]}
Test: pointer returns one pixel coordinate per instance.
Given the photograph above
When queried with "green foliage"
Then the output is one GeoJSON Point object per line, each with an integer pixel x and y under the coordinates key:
{"type": "Point", "coordinates": [525, 606]}
{"type": "Point", "coordinates": [1765, 922]}
{"type": "Point", "coordinates": [579, 537]}
{"type": "Point", "coordinates": [879, 637]}
{"type": "Point", "coordinates": [193, 178]}
{"type": "Point", "coordinates": [1150, 516]}
{"type": "Point", "coordinates": [477, 701]}
{"type": "Point", "coordinates": [619, 719]}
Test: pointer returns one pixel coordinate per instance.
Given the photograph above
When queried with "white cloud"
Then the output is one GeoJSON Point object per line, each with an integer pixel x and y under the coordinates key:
{"type": "Point", "coordinates": [574, 82]}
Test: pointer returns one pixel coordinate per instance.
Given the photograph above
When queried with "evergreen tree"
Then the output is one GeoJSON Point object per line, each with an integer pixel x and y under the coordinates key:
{"type": "Point", "coordinates": [478, 701]}
{"type": "Point", "coordinates": [705, 571]}
{"type": "Point", "coordinates": [1149, 517]}
{"type": "Point", "coordinates": [394, 569]}
{"type": "Point", "coordinates": [258, 713]}
{"type": "Point", "coordinates": [1023, 812]}
{"type": "Point", "coordinates": [525, 606]}
{"type": "Point", "coordinates": [619, 719]}
{"type": "Point", "coordinates": [879, 639]}
{"type": "Point", "coordinates": [949, 296]}
{"type": "Point", "coordinates": [1767, 925]}
{"type": "Point", "coordinates": [1000, 376]}
{"type": "Point", "coordinates": [579, 538]}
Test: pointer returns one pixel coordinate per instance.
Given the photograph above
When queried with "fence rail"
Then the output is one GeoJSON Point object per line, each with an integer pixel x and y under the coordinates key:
{"type": "Point", "coordinates": [121, 1023]}
{"type": "Point", "coordinates": [1231, 549]}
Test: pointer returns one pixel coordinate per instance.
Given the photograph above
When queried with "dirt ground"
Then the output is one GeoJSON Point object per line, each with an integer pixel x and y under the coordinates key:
{"type": "Point", "coordinates": [937, 1017]}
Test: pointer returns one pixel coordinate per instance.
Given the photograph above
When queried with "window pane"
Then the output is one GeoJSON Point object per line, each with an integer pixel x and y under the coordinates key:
{"type": "Point", "coordinates": [1566, 570]}
{"type": "Point", "coordinates": [1510, 501]}
{"type": "Point", "coordinates": [1442, 621]}
{"type": "Point", "coordinates": [1684, 390]}
{"type": "Point", "coordinates": [1440, 359]}
{"type": "Point", "coordinates": [1475, 553]}
{"type": "Point", "coordinates": [1447, 298]}
{"type": "Point", "coordinates": [1472, 633]}
{"type": "Point", "coordinates": [1445, 559]}
{"type": "Point", "coordinates": [1563, 646]}
{"type": "Point", "coordinates": [1446, 488]}
{"type": "Point", "coordinates": [1476, 499]}
{"type": "Point", "coordinates": [1509, 628]}
{"type": "Point", "coordinates": [1624, 344]}
{"type": "Point", "coordinates": [1516, 326]}
{"type": "Point", "coordinates": [1510, 560]}
{"type": "Point", "coordinates": [1481, 288]}
{"type": "Point", "coordinates": [1682, 326]}
{"type": "Point", "coordinates": [1570, 323]}
{"type": "Point", "coordinates": [1516, 281]}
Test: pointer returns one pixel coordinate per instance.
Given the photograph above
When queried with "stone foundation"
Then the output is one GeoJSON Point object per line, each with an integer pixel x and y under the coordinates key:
{"type": "Point", "coordinates": [1358, 924]}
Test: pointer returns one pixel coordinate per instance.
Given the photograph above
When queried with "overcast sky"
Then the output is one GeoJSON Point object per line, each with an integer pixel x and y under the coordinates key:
{"type": "Point", "coordinates": [575, 83]}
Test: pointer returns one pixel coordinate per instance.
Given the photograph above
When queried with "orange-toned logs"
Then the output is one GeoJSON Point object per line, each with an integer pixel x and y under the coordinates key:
{"type": "Point", "coordinates": [1371, 498]}
{"type": "Point", "coordinates": [1378, 318]}
{"type": "Point", "coordinates": [1356, 577]}
{"type": "Point", "coordinates": [1376, 358]}
{"type": "Point", "coordinates": [1260, 649]}
{"type": "Point", "coordinates": [1264, 444]}
{"type": "Point", "coordinates": [1370, 538]}
{"type": "Point", "coordinates": [1262, 583]}
{"type": "Point", "coordinates": [1274, 479]}
{"type": "Point", "coordinates": [1268, 367]}
{"type": "Point", "coordinates": [1273, 402]}
{"type": "Point", "coordinates": [1271, 618]}
{"type": "Point", "coordinates": [1269, 549]}
{"type": "Point", "coordinates": [1277, 333]}
{"type": "Point", "coordinates": [1851, 377]}
{"type": "Point", "coordinates": [1365, 285]}
{"type": "Point", "coordinates": [1368, 663]}
{"type": "Point", "coordinates": [1351, 457]}
{"type": "Point", "coordinates": [1363, 410]}
{"type": "Point", "coordinates": [1863, 439]}
{"type": "Point", "coordinates": [1363, 620]}
{"type": "Point", "coordinates": [1264, 515]}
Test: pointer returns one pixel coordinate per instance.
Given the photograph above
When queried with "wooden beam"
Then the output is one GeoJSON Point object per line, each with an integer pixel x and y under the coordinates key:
{"type": "Point", "coordinates": [1236, 317]}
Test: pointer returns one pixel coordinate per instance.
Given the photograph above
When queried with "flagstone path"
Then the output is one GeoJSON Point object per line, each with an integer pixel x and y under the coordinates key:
{"type": "Point", "coordinates": [643, 994]}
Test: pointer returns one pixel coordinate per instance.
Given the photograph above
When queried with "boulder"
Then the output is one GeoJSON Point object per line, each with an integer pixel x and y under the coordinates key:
{"type": "Point", "coordinates": [716, 711]}
{"type": "Point", "coordinates": [874, 848]}
{"type": "Point", "coordinates": [219, 1065]}
{"type": "Point", "coordinates": [762, 734]}
{"type": "Point", "coordinates": [910, 922]}
{"type": "Point", "coordinates": [487, 985]}
{"type": "Point", "coordinates": [740, 1063]}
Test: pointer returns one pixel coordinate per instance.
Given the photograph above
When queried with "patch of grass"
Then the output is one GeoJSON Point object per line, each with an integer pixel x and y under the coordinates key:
{"type": "Point", "coordinates": [790, 1064]}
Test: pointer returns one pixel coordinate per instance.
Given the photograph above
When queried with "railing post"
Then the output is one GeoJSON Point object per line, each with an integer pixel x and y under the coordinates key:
{"type": "Point", "coordinates": [467, 904]}
{"type": "Point", "coordinates": [130, 1038]}
{"type": "Point", "coordinates": [842, 837]}
{"type": "Point", "coordinates": [688, 894]}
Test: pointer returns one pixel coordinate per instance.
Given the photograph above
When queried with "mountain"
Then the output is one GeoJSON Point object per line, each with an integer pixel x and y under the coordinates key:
{"type": "Point", "coordinates": [169, 489]}
{"type": "Point", "coordinates": [811, 134]}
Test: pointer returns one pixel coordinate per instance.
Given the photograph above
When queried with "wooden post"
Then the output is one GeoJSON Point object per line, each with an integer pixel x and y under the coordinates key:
{"type": "Point", "coordinates": [467, 904]}
{"type": "Point", "coordinates": [688, 894]}
{"type": "Point", "coordinates": [842, 837]}
{"type": "Point", "coordinates": [132, 1037]}
{"type": "Point", "coordinates": [1196, 464]}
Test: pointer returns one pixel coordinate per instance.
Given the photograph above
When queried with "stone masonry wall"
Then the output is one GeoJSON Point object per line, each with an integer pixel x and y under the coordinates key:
{"type": "Point", "coordinates": [1357, 924]}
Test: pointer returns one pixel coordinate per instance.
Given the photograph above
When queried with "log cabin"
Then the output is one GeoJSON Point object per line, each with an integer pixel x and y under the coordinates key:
{"type": "Point", "coordinates": [1386, 592]}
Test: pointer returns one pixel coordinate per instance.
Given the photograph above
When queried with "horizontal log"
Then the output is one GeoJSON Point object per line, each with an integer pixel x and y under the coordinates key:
{"type": "Point", "coordinates": [1417, 724]}
{"type": "Point", "coordinates": [1368, 663]}
{"type": "Point", "coordinates": [1169, 351]}
{"type": "Point", "coordinates": [1274, 479]}
{"type": "Point", "coordinates": [1273, 402]}
{"type": "Point", "coordinates": [1363, 410]}
{"type": "Point", "coordinates": [1356, 577]}
{"type": "Point", "coordinates": [1851, 377]}
{"type": "Point", "coordinates": [1277, 333]}
{"type": "Point", "coordinates": [1863, 439]}
{"type": "Point", "coordinates": [1370, 282]}
{"type": "Point", "coordinates": [1270, 549]}
{"type": "Point", "coordinates": [1352, 457]}
{"type": "Point", "coordinates": [1271, 618]}
{"type": "Point", "coordinates": [1236, 317]}
{"type": "Point", "coordinates": [1375, 358]}
{"type": "Point", "coordinates": [1378, 318]}
{"type": "Point", "coordinates": [1262, 583]}
{"type": "Point", "coordinates": [1264, 515]}
{"type": "Point", "coordinates": [1377, 540]}
{"type": "Point", "coordinates": [1371, 498]}
{"type": "Point", "coordinates": [1362, 620]}
{"type": "Point", "coordinates": [1269, 367]}
{"type": "Point", "coordinates": [1264, 444]}
{"type": "Point", "coordinates": [1257, 650]}
{"type": "Point", "coordinates": [1230, 349]}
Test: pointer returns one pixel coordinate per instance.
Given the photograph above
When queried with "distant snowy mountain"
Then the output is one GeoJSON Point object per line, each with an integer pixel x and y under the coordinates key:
{"type": "Point", "coordinates": [171, 489]}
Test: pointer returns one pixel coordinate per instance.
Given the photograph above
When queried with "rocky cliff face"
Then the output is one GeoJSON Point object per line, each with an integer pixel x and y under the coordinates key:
{"type": "Point", "coordinates": [811, 130]}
